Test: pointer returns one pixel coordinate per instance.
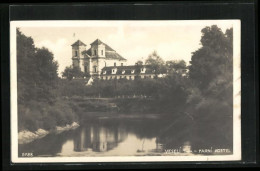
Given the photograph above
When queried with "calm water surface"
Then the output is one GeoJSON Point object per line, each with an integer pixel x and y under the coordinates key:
{"type": "Point", "coordinates": [119, 137]}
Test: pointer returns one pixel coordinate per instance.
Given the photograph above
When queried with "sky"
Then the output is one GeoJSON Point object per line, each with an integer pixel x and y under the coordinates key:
{"type": "Point", "coordinates": [134, 40]}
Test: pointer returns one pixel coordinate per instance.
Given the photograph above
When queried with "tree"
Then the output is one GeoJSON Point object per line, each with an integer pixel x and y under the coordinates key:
{"type": "Point", "coordinates": [211, 91]}
{"type": "Point", "coordinates": [71, 72]}
{"type": "Point", "coordinates": [178, 66]}
{"type": "Point", "coordinates": [36, 71]}
{"type": "Point", "coordinates": [47, 74]}
{"type": "Point", "coordinates": [139, 63]}
{"type": "Point", "coordinates": [214, 58]}
{"type": "Point", "coordinates": [156, 63]}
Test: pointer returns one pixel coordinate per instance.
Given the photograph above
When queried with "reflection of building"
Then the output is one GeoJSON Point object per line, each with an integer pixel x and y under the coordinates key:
{"type": "Point", "coordinates": [103, 62]}
{"type": "Point", "coordinates": [98, 138]}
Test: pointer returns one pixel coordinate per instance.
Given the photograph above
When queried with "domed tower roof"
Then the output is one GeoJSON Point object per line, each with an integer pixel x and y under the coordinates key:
{"type": "Point", "coordinates": [109, 52]}
{"type": "Point", "coordinates": [78, 43]}
{"type": "Point", "coordinates": [99, 42]}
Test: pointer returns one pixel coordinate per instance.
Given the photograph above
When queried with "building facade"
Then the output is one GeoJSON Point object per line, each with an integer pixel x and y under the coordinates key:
{"type": "Point", "coordinates": [101, 61]}
{"type": "Point", "coordinates": [127, 72]}
{"type": "Point", "coordinates": [94, 59]}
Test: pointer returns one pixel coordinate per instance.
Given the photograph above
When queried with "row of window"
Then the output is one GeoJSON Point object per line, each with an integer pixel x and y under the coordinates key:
{"type": "Point", "coordinates": [95, 53]}
{"type": "Point", "coordinates": [86, 69]}
{"type": "Point", "coordinates": [123, 71]}
{"type": "Point", "coordinates": [126, 77]}
{"type": "Point", "coordinates": [122, 64]}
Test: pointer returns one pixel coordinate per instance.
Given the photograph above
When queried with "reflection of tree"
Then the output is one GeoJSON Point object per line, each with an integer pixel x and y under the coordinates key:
{"type": "Point", "coordinates": [176, 132]}
{"type": "Point", "coordinates": [99, 137]}
{"type": "Point", "coordinates": [49, 145]}
{"type": "Point", "coordinates": [143, 128]}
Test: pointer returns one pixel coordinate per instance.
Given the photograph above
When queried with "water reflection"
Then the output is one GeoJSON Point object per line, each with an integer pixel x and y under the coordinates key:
{"type": "Point", "coordinates": [125, 137]}
{"type": "Point", "coordinates": [98, 138]}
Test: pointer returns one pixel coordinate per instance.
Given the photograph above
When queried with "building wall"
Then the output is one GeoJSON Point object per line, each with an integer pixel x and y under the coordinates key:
{"type": "Point", "coordinates": [128, 77]}
{"type": "Point", "coordinates": [100, 50]}
{"type": "Point", "coordinates": [101, 64]}
{"type": "Point", "coordinates": [78, 60]}
{"type": "Point", "coordinates": [75, 63]}
{"type": "Point", "coordinates": [111, 62]}
{"type": "Point", "coordinates": [79, 63]}
{"type": "Point", "coordinates": [94, 63]}
{"type": "Point", "coordinates": [79, 50]}
{"type": "Point", "coordinates": [97, 61]}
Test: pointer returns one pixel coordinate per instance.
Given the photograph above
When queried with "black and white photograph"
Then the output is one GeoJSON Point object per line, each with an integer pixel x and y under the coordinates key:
{"type": "Point", "coordinates": [125, 90]}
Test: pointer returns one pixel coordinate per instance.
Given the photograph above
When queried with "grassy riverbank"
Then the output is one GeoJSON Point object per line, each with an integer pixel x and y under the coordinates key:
{"type": "Point", "coordinates": [66, 110]}
{"type": "Point", "coordinates": [43, 115]}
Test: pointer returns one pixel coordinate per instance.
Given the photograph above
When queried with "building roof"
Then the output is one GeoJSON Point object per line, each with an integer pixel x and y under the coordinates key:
{"type": "Point", "coordinates": [110, 53]}
{"type": "Point", "coordinates": [96, 42]}
{"type": "Point", "coordinates": [99, 42]}
{"type": "Point", "coordinates": [114, 55]}
{"type": "Point", "coordinates": [78, 43]}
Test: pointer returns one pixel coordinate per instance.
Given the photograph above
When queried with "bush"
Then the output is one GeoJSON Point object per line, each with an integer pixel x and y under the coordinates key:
{"type": "Point", "coordinates": [42, 115]}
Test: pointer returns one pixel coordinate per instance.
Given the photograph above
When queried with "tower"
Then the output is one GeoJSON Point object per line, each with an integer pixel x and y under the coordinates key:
{"type": "Point", "coordinates": [98, 54]}
{"type": "Point", "coordinates": [77, 57]}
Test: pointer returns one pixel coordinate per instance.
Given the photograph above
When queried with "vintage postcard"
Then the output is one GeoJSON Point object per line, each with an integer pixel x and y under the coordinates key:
{"type": "Point", "coordinates": [125, 91]}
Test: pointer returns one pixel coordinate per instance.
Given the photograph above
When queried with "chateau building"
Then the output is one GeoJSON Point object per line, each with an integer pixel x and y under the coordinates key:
{"type": "Point", "coordinates": [101, 61]}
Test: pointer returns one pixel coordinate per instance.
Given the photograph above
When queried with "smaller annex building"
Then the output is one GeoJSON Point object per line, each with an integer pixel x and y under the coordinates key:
{"type": "Point", "coordinates": [127, 72]}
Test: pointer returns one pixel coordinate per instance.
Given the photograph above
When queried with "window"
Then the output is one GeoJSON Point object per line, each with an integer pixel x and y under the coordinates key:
{"type": "Point", "coordinates": [102, 52]}
{"type": "Point", "coordinates": [115, 64]}
{"type": "Point", "coordinates": [114, 71]}
{"type": "Point", "coordinates": [95, 52]}
{"type": "Point", "coordinates": [122, 64]}
{"type": "Point", "coordinates": [85, 69]}
{"type": "Point", "coordinates": [95, 68]}
{"type": "Point", "coordinates": [76, 53]}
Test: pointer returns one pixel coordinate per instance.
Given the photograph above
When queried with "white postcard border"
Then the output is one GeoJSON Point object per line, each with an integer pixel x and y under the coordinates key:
{"type": "Point", "coordinates": [105, 23]}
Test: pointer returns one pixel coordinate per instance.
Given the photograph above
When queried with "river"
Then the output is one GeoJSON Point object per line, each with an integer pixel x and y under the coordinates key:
{"type": "Point", "coordinates": [121, 137]}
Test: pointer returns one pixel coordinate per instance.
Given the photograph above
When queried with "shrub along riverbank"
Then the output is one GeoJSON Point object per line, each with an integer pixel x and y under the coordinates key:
{"type": "Point", "coordinates": [46, 116]}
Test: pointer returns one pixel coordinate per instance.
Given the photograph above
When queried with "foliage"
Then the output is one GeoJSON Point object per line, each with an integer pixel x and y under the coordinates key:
{"type": "Point", "coordinates": [45, 116]}
{"type": "Point", "coordinates": [36, 71]}
{"type": "Point", "coordinates": [214, 58]}
{"type": "Point", "coordinates": [73, 72]}
{"type": "Point", "coordinates": [156, 63]}
{"type": "Point", "coordinates": [37, 85]}
{"type": "Point", "coordinates": [176, 66]}
{"type": "Point", "coordinates": [211, 92]}
{"type": "Point", "coordinates": [139, 63]}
